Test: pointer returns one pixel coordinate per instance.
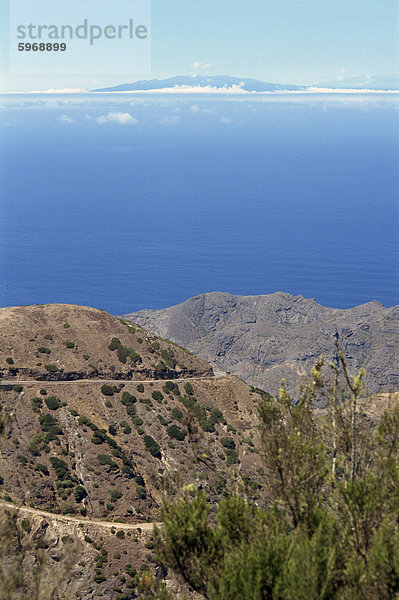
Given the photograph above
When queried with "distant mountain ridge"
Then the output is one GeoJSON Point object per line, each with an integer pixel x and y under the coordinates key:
{"type": "Point", "coordinates": [220, 82]}
{"type": "Point", "coordinates": [264, 338]}
{"type": "Point", "coordinates": [216, 81]}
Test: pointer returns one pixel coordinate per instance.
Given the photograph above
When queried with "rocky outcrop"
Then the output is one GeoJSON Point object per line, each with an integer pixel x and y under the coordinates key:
{"type": "Point", "coordinates": [264, 338]}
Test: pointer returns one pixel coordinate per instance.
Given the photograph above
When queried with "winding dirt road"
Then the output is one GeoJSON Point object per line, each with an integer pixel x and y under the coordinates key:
{"type": "Point", "coordinates": [70, 381]}
{"type": "Point", "coordinates": [77, 521]}
{"type": "Point", "coordinates": [95, 522]}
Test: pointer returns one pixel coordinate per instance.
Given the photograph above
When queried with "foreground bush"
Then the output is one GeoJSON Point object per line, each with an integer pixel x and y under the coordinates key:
{"type": "Point", "coordinates": [330, 526]}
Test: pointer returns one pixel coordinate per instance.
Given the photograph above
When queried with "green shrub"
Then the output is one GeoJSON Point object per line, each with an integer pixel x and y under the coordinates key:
{"type": "Point", "coordinates": [128, 398]}
{"type": "Point", "coordinates": [1, 480]}
{"type": "Point", "coordinates": [135, 357]}
{"type": "Point", "coordinates": [50, 424]}
{"type": "Point", "coordinates": [141, 492]}
{"type": "Point", "coordinates": [216, 416]}
{"type": "Point", "coordinates": [152, 446]}
{"type": "Point", "coordinates": [67, 509]}
{"type": "Point", "coordinates": [160, 369]}
{"type": "Point", "coordinates": [80, 493]}
{"type": "Point", "coordinates": [232, 457]}
{"type": "Point", "coordinates": [18, 388]}
{"type": "Point", "coordinates": [169, 358]}
{"type": "Point", "coordinates": [51, 368]}
{"type": "Point", "coordinates": [108, 404]}
{"type": "Point", "coordinates": [66, 325]}
{"type": "Point", "coordinates": [60, 467]}
{"type": "Point", "coordinates": [140, 388]}
{"type": "Point", "coordinates": [48, 336]}
{"type": "Point", "coordinates": [120, 534]}
{"type": "Point", "coordinates": [26, 526]}
{"type": "Point", "coordinates": [228, 442]}
{"type": "Point", "coordinates": [52, 402]}
{"type": "Point", "coordinates": [33, 447]}
{"type": "Point", "coordinates": [189, 403]}
{"type": "Point", "coordinates": [156, 345]}
{"type": "Point", "coordinates": [177, 414]}
{"type": "Point", "coordinates": [112, 430]}
{"type": "Point", "coordinates": [43, 392]}
{"type": "Point", "coordinates": [42, 469]}
{"type": "Point", "coordinates": [97, 440]}
{"type": "Point", "coordinates": [158, 396]}
{"type": "Point", "coordinates": [74, 412]}
{"type": "Point", "coordinates": [107, 390]}
{"type": "Point", "coordinates": [44, 350]}
{"type": "Point", "coordinates": [115, 344]}
{"type": "Point", "coordinates": [106, 460]}
{"type": "Point", "coordinates": [123, 353]}
{"type": "Point", "coordinates": [131, 571]}
{"type": "Point", "coordinates": [137, 421]}
{"type": "Point", "coordinates": [126, 427]}
{"type": "Point", "coordinates": [115, 495]}
{"type": "Point", "coordinates": [139, 480]}
{"type": "Point", "coordinates": [162, 420]}
{"type": "Point", "coordinates": [9, 360]}
{"type": "Point", "coordinates": [176, 433]}
{"type": "Point", "coordinates": [189, 389]}
{"type": "Point", "coordinates": [37, 404]}
{"type": "Point", "coordinates": [69, 344]}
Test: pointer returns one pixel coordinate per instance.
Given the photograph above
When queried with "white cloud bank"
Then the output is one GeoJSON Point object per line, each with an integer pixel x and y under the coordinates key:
{"type": "Point", "coordinates": [61, 91]}
{"type": "Point", "coordinates": [197, 110]}
{"type": "Point", "coordinates": [188, 89]}
{"type": "Point", "coordinates": [118, 117]}
{"type": "Point", "coordinates": [237, 89]}
{"type": "Point", "coordinates": [66, 119]}
{"type": "Point", "coordinates": [169, 120]}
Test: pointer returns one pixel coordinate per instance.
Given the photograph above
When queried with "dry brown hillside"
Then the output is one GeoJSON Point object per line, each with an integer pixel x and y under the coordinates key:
{"type": "Point", "coordinates": [62, 341]}
{"type": "Point", "coordinates": [103, 434]}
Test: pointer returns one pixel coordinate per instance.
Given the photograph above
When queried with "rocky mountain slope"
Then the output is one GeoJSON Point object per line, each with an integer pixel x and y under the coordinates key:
{"type": "Point", "coordinates": [99, 417]}
{"type": "Point", "coordinates": [264, 338]}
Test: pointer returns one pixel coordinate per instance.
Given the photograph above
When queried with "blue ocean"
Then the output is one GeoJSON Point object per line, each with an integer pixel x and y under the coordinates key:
{"type": "Point", "coordinates": [131, 201]}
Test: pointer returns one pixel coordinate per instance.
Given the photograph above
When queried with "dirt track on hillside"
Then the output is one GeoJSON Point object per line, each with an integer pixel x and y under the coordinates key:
{"type": "Point", "coordinates": [66, 381]}
{"type": "Point", "coordinates": [77, 521]}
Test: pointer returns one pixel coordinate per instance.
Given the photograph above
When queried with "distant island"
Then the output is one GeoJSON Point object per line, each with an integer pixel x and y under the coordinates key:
{"type": "Point", "coordinates": [226, 83]}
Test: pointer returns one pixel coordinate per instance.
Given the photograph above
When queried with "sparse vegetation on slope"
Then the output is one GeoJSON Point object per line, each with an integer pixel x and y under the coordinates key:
{"type": "Point", "coordinates": [118, 350]}
{"type": "Point", "coordinates": [329, 529]}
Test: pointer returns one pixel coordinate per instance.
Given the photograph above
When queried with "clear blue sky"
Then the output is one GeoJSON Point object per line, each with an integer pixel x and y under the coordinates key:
{"type": "Point", "coordinates": [288, 41]}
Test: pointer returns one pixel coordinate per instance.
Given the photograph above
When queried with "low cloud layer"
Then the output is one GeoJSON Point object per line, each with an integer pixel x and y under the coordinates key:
{"type": "Point", "coordinates": [117, 117]}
